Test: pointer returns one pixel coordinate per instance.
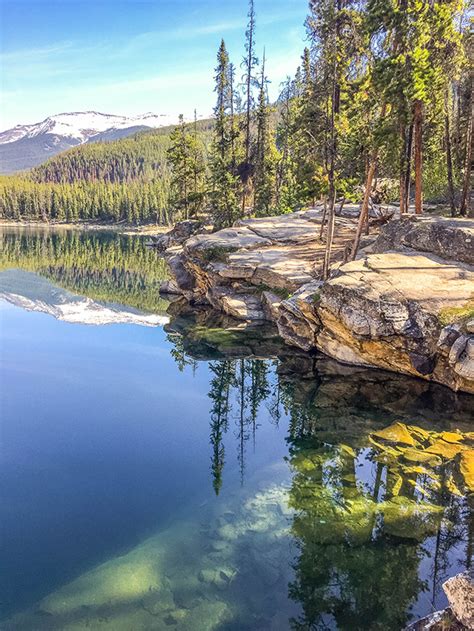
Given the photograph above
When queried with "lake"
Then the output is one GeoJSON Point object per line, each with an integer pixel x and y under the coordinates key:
{"type": "Point", "coordinates": [167, 468]}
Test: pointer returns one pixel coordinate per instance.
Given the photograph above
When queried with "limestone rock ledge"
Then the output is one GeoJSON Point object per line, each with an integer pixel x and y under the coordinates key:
{"type": "Point", "coordinates": [398, 311]}
{"type": "Point", "coordinates": [406, 304]}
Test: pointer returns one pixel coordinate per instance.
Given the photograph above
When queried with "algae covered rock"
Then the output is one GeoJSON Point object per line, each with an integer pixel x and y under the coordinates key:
{"type": "Point", "coordinates": [466, 467]}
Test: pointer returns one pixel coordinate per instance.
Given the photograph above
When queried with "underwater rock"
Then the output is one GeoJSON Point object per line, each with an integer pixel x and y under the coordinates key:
{"type": "Point", "coordinates": [443, 620]}
{"type": "Point", "coordinates": [460, 593]}
{"type": "Point", "coordinates": [396, 433]}
{"type": "Point", "coordinates": [466, 467]}
{"type": "Point", "coordinates": [175, 617]}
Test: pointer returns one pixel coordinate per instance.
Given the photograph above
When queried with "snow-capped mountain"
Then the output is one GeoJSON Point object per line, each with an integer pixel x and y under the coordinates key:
{"type": "Point", "coordinates": [25, 146]}
{"type": "Point", "coordinates": [32, 292]}
{"type": "Point", "coordinates": [82, 126]}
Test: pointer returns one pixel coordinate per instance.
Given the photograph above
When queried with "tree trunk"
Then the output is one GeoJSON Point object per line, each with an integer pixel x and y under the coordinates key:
{"type": "Point", "coordinates": [418, 131]}
{"type": "Point", "coordinates": [364, 211]}
{"type": "Point", "coordinates": [329, 233]}
{"type": "Point", "coordinates": [466, 191]}
{"type": "Point", "coordinates": [323, 218]}
{"type": "Point", "coordinates": [335, 105]}
{"type": "Point", "coordinates": [409, 151]}
{"type": "Point", "coordinates": [332, 183]}
{"type": "Point", "coordinates": [403, 152]}
{"type": "Point", "coordinates": [449, 161]}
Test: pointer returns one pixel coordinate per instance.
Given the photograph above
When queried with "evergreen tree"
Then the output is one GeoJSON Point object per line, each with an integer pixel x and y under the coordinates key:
{"type": "Point", "coordinates": [249, 81]}
{"type": "Point", "coordinates": [187, 162]}
{"type": "Point", "coordinates": [265, 153]}
{"type": "Point", "coordinates": [223, 185]}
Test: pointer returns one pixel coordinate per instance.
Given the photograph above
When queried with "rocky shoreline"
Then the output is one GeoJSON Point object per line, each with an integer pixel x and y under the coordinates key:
{"type": "Point", "coordinates": [406, 304]}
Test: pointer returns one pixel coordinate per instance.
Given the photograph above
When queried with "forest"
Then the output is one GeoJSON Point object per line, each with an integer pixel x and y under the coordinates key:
{"type": "Point", "coordinates": [380, 108]}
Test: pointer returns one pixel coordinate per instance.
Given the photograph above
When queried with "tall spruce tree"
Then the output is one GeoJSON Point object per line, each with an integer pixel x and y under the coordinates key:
{"type": "Point", "coordinates": [286, 187]}
{"type": "Point", "coordinates": [334, 28]}
{"type": "Point", "coordinates": [249, 82]}
{"type": "Point", "coordinates": [223, 185]}
{"type": "Point", "coordinates": [265, 153]}
{"type": "Point", "coordinates": [187, 161]}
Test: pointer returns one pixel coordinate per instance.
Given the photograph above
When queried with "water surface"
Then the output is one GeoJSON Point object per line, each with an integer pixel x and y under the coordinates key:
{"type": "Point", "coordinates": [163, 468]}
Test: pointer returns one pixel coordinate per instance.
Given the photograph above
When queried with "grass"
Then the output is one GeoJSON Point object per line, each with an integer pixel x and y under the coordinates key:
{"type": "Point", "coordinates": [281, 292]}
{"type": "Point", "coordinates": [216, 253]}
{"type": "Point", "coordinates": [452, 315]}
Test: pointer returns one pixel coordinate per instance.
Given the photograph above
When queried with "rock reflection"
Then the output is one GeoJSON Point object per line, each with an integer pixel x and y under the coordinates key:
{"type": "Point", "coordinates": [375, 540]}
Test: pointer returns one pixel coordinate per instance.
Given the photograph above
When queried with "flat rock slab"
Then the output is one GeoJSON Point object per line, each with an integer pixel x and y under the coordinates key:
{"type": "Point", "coordinates": [276, 266]}
{"type": "Point", "coordinates": [432, 282]}
{"type": "Point", "coordinates": [226, 240]}
{"type": "Point", "coordinates": [290, 229]}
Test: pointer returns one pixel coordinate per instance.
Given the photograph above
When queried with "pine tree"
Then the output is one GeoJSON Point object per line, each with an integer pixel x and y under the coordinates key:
{"type": "Point", "coordinates": [334, 27]}
{"type": "Point", "coordinates": [265, 153]}
{"type": "Point", "coordinates": [286, 189]}
{"type": "Point", "coordinates": [249, 81]}
{"type": "Point", "coordinates": [223, 185]}
{"type": "Point", "coordinates": [186, 158]}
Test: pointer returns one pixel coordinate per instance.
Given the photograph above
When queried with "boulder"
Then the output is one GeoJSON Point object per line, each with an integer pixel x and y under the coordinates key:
{"type": "Point", "coordinates": [297, 321]}
{"type": "Point", "coordinates": [238, 304]}
{"type": "Point", "coordinates": [460, 593]}
{"type": "Point", "coordinates": [170, 287]}
{"type": "Point", "coordinates": [452, 239]}
{"type": "Point", "coordinates": [178, 234]}
{"type": "Point", "coordinates": [184, 280]}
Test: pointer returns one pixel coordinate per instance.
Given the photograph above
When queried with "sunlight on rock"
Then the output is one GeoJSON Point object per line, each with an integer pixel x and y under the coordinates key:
{"type": "Point", "coordinates": [396, 433]}
{"type": "Point", "coordinates": [115, 582]}
{"type": "Point", "coordinates": [419, 458]}
{"type": "Point", "coordinates": [467, 469]}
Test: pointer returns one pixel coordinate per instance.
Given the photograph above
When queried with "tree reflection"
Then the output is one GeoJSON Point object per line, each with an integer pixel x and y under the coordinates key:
{"type": "Point", "coordinates": [102, 266]}
{"type": "Point", "coordinates": [363, 522]}
{"type": "Point", "coordinates": [361, 537]}
{"type": "Point", "coordinates": [220, 386]}
{"type": "Point", "coordinates": [243, 384]}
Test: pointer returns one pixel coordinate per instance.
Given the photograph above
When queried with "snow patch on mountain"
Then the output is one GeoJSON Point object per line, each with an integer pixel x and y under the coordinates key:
{"type": "Point", "coordinates": [81, 126]}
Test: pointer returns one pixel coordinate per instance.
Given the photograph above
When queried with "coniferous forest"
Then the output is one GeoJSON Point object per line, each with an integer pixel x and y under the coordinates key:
{"type": "Point", "coordinates": [380, 109]}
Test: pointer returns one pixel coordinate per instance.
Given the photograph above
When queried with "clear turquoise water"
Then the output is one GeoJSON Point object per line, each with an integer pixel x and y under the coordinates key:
{"type": "Point", "coordinates": [193, 478]}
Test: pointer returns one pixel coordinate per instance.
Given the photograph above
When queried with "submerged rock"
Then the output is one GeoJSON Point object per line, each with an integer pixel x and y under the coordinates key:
{"type": "Point", "coordinates": [443, 620]}
{"type": "Point", "coordinates": [460, 593]}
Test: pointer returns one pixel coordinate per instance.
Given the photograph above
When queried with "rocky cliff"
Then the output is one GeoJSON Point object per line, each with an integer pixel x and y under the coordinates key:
{"type": "Point", "coordinates": [406, 304]}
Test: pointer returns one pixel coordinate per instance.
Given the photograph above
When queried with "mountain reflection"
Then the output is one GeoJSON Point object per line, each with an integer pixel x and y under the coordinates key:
{"type": "Point", "coordinates": [102, 266]}
{"type": "Point", "coordinates": [363, 527]}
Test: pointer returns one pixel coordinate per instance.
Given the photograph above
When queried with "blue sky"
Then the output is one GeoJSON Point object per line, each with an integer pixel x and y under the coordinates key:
{"type": "Point", "coordinates": [129, 57]}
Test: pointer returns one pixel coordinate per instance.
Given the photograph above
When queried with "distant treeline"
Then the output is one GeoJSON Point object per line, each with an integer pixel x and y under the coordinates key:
{"type": "Point", "coordinates": [125, 180]}
{"type": "Point", "coordinates": [137, 201]}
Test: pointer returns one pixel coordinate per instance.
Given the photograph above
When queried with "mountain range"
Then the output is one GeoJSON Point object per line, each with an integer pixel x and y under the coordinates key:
{"type": "Point", "coordinates": [25, 146]}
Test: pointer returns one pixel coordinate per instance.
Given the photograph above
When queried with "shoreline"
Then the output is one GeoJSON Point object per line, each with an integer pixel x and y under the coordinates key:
{"type": "Point", "coordinates": [127, 229]}
{"type": "Point", "coordinates": [405, 304]}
